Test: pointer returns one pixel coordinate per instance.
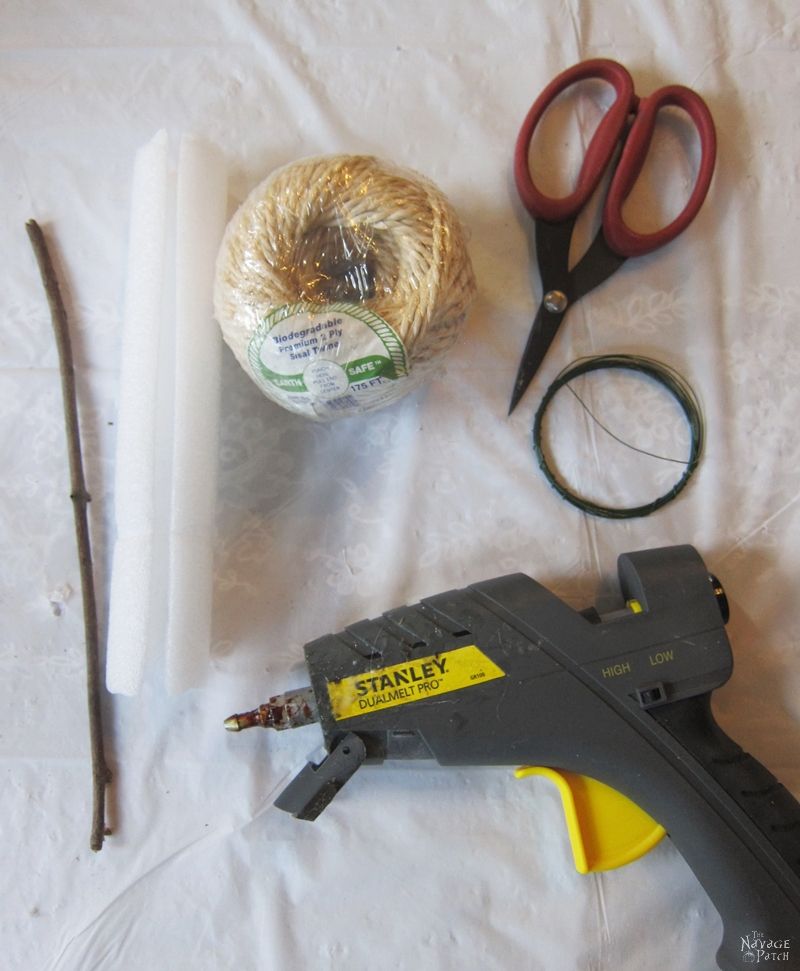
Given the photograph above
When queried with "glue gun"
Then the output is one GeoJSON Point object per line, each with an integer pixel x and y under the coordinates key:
{"type": "Point", "coordinates": [615, 708]}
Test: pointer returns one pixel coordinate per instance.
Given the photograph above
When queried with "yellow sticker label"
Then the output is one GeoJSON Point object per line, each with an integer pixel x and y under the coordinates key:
{"type": "Point", "coordinates": [415, 680]}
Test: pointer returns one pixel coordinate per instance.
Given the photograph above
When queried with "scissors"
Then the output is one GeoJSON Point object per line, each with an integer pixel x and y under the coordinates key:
{"type": "Point", "coordinates": [629, 122]}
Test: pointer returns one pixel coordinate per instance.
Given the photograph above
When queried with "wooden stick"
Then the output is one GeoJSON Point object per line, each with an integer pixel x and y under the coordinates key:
{"type": "Point", "coordinates": [101, 774]}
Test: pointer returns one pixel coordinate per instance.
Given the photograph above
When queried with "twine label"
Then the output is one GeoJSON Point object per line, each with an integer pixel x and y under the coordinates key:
{"type": "Point", "coordinates": [326, 360]}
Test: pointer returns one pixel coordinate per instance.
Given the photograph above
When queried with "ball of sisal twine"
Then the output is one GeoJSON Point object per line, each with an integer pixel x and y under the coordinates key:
{"type": "Point", "coordinates": [352, 229]}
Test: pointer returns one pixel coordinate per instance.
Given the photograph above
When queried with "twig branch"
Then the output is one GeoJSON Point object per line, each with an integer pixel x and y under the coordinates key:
{"type": "Point", "coordinates": [101, 774]}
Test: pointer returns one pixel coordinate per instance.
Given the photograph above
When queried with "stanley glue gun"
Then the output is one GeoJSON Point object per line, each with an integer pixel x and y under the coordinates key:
{"type": "Point", "coordinates": [615, 709]}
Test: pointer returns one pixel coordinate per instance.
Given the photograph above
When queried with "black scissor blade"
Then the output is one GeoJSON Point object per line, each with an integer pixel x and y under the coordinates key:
{"type": "Point", "coordinates": [552, 252]}
{"type": "Point", "coordinates": [552, 255]}
{"type": "Point", "coordinates": [596, 265]}
{"type": "Point", "coordinates": [545, 327]}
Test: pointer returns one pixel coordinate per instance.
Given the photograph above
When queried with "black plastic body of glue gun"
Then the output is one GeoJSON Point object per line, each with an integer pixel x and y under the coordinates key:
{"type": "Point", "coordinates": [505, 673]}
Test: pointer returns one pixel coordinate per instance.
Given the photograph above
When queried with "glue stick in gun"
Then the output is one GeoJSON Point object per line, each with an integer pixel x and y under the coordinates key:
{"type": "Point", "coordinates": [615, 709]}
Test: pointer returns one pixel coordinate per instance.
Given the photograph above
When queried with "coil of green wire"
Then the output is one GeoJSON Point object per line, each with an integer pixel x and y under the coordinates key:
{"type": "Point", "coordinates": [665, 375]}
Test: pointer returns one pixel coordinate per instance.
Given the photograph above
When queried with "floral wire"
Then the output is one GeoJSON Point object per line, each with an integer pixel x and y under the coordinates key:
{"type": "Point", "coordinates": [607, 430]}
{"type": "Point", "coordinates": [665, 375]}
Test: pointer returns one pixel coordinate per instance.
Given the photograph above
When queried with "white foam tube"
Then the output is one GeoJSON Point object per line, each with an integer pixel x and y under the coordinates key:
{"type": "Point", "coordinates": [200, 220]}
{"type": "Point", "coordinates": [131, 572]}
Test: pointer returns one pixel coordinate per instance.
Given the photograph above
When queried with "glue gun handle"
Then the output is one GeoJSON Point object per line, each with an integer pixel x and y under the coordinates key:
{"type": "Point", "coordinates": [762, 901]}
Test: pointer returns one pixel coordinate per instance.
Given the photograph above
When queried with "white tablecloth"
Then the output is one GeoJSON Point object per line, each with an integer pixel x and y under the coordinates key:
{"type": "Point", "coordinates": [412, 866]}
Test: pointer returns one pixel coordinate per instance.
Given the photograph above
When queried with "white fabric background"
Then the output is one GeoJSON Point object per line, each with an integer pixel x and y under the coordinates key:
{"type": "Point", "coordinates": [412, 866]}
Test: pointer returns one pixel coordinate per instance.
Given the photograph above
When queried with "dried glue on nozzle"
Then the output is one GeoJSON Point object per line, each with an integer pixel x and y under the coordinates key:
{"type": "Point", "coordinates": [290, 710]}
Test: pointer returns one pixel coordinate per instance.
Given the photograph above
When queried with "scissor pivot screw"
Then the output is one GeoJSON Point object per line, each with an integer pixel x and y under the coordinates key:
{"type": "Point", "coordinates": [555, 301]}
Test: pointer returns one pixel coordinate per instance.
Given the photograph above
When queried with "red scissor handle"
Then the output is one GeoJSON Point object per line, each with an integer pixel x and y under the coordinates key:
{"type": "Point", "coordinates": [619, 236]}
{"type": "Point", "coordinates": [599, 151]}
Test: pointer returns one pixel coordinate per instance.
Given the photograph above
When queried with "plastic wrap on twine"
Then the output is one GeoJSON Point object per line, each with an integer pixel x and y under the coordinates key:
{"type": "Point", "coordinates": [340, 282]}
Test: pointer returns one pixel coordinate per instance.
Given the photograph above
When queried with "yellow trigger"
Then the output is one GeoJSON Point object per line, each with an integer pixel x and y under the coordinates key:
{"type": "Point", "coordinates": [605, 828]}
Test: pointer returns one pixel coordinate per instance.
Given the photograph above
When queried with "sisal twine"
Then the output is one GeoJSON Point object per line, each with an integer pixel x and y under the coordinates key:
{"type": "Point", "coordinates": [347, 227]}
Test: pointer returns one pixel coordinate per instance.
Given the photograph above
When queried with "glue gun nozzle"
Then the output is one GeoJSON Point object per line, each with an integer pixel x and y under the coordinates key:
{"type": "Point", "coordinates": [235, 723]}
{"type": "Point", "coordinates": [250, 719]}
{"type": "Point", "coordinates": [291, 710]}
